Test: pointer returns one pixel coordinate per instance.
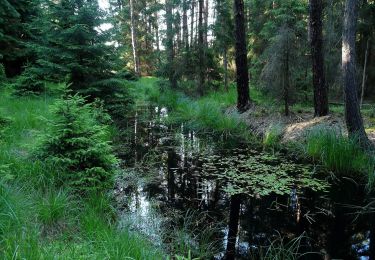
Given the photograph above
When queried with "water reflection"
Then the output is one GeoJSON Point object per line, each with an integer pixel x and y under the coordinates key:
{"type": "Point", "coordinates": [189, 172]}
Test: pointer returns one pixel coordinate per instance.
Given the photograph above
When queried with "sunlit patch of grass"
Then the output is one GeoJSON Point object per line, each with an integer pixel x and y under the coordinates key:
{"type": "Point", "coordinates": [273, 135]}
{"type": "Point", "coordinates": [338, 153]}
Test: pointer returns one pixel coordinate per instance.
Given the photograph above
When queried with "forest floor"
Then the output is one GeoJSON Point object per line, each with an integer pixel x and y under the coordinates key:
{"type": "Point", "coordinates": [295, 126]}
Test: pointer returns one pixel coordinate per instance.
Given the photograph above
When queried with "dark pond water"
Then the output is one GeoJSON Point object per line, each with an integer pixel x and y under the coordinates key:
{"type": "Point", "coordinates": [236, 196]}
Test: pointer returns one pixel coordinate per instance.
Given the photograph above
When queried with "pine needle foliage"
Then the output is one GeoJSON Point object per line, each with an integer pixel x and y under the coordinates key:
{"type": "Point", "coordinates": [78, 144]}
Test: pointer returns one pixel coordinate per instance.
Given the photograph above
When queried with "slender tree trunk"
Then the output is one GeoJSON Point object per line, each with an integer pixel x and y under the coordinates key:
{"type": "Point", "coordinates": [206, 23]}
{"type": "Point", "coordinates": [234, 216]}
{"type": "Point", "coordinates": [286, 80]}
{"type": "Point", "coordinates": [192, 23]}
{"type": "Point", "coordinates": [134, 38]}
{"type": "Point", "coordinates": [364, 72]}
{"type": "Point", "coordinates": [225, 61]}
{"type": "Point", "coordinates": [157, 38]}
{"type": "Point", "coordinates": [316, 40]}
{"type": "Point", "coordinates": [177, 26]}
{"type": "Point", "coordinates": [201, 65]}
{"type": "Point", "coordinates": [354, 121]}
{"type": "Point", "coordinates": [243, 98]}
{"type": "Point", "coordinates": [185, 34]}
{"type": "Point", "coordinates": [169, 43]}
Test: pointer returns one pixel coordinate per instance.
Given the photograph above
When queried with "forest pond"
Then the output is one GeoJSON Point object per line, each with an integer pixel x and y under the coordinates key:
{"type": "Point", "coordinates": [233, 199]}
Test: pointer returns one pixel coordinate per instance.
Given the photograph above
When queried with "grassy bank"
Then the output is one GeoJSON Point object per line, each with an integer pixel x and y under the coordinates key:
{"type": "Point", "coordinates": [321, 144]}
{"type": "Point", "coordinates": [38, 219]}
{"type": "Point", "coordinates": [205, 114]}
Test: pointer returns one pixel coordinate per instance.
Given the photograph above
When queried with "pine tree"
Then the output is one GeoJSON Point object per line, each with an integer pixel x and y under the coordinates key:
{"type": "Point", "coordinates": [15, 18]}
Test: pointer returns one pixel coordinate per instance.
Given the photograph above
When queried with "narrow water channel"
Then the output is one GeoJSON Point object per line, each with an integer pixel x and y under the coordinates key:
{"type": "Point", "coordinates": [235, 199]}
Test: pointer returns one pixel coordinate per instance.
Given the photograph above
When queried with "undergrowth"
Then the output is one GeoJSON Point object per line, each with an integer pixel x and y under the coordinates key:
{"type": "Point", "coordinates": [39, 219]}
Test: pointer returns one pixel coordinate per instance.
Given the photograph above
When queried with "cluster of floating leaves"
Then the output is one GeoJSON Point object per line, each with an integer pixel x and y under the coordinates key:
{"type": "Point", "coordinates": [261, 174]}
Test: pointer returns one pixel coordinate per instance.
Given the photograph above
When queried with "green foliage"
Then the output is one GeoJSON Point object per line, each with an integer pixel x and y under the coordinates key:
{"type": "Point", "coordinates": [15, 17]}
{"type": "Point", "coordinates": [262, 174]}
{"type": "Point", "coordinates": [117, 99]}
{"type": "Point", "coordinates": [273, 136]}
{"type": "Point", "coordinates": [76, 143]}
{"type": "Point", "coordinates": [338, 153]}
{"type": "Point", "coordinates": [53, 207]}
{"type": "Point", "coordinates": [40, 221]}
{"type": "Point", "coordinates": [29, 82]}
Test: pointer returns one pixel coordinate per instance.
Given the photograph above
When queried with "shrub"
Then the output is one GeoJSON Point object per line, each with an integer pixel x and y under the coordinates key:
{"type": "Point", "coordinates": [29, 82]}
{"type": "Point", "coordinates": [115, 95]}
{"type": "Point", "coordinates": [77, 143]}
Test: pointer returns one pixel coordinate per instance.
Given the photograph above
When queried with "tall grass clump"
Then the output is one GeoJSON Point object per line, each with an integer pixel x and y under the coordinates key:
{"type": "Point", "coordinates": [191, 236]}
{"type": "Point", "coordinates": [338, 153]}
{"type": "Point", "coordinates": [54, 208]}
{"type": "Point", "coordinates": [283, 249]}
{"type": "Point", "coordinates": [18, 235]}
{"type": "Point", "coordinates": [273, 136]}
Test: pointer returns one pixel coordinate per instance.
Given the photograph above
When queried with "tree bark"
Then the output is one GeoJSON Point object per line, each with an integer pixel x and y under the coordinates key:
{"type": "Point", "coordinates": [169, 43]}
{"type": "Point", "coordinates": [157, 38]}
{"type": "Point", "coordinates": [185, 35]}
{"type": "Point", "coordinates": [192, 23]}
{"type": "Point", "coordinates": [364, 72]}
{"type": "Point", "coordinates": [243, 98]}
{"type": "Point", "coordinates": [201, 65]}
{"type": "Point", "coordinates": [354, 121]}
{"type": "Point", "coordinates": [286, 80]}
{"type": "Point", "coordinates": [225, 61]}
{"type": "Point", "coordinates": [316, 40]}
{"type": "Point", "coordinates": [134, 38]}
{"type": "Point", "coordinates": [206, 23]}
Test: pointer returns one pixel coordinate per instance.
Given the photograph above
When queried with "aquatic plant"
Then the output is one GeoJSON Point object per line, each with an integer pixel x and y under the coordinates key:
{"type": "Point", "coordinates": [262, 174]}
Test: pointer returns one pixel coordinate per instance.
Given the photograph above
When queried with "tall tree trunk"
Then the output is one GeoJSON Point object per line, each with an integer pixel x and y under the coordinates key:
{"type": "Point", "coordinates": [157, 38]}
{"type": "Point", "coordinates": [225, 61]}
{"type": "Point", "coordinates": [192, 23]}
{"type": "Point", "coordinates": [243, 98]}
{"type": "Point", "coordinates": [364, 72]}
{"type": "Point", "coordinates": [286, 80]}
{"type": "Point", "coordinates": [169, 43]}
{"type": "Point", "coordinates": [201, 65]}
{"type": "Point", "coordinates": [177, 26]}
{"type": "Point", "coordinates": [316, 40]}
{"type": "Point", "coordinates": [134, 38]}
{"type": "Point", "coordinates": [354, 121]}
{"type": "Point", "coordinates": [206, 23]}
{"type": "Point", "coordinates": [185, 35]}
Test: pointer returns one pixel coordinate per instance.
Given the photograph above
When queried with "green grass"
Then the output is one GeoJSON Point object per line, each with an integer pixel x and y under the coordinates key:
{"type": "Point", "coordinates": [205, 114]}
{"type": "Point", "coordinates": [338, 153]}
{"type": "Point", "coordinates": [272, 136]}
{"type": "Point", "coordinates": [38, 220]}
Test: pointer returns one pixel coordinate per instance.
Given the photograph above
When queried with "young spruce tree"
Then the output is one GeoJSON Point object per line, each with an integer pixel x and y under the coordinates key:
{"type": "Point", "coordinates": [77, 143]}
